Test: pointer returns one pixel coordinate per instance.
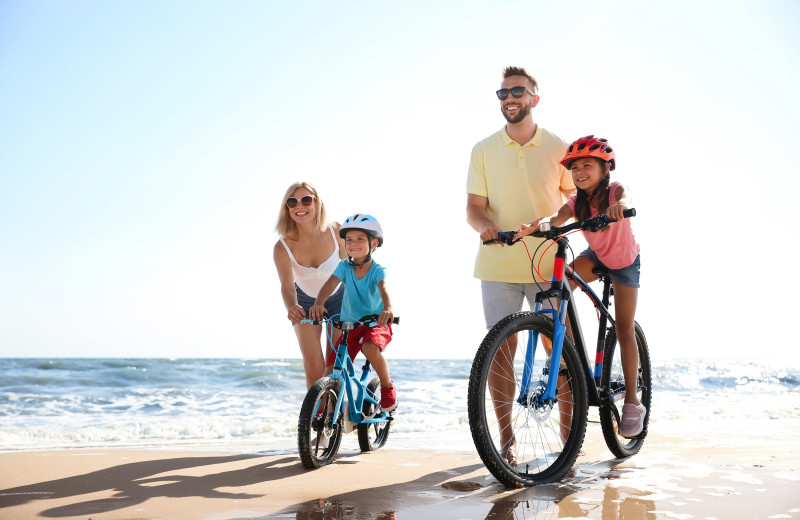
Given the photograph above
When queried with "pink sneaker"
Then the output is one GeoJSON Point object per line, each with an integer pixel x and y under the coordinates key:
{"type": "Point", "coordinates": [632, 422]}
{"type": "Point", "coordinates": [388, 398]}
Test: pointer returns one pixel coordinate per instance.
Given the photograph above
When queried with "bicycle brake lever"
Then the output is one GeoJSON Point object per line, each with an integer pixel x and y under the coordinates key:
{"type": "Point", "coordinates": [507, 237]}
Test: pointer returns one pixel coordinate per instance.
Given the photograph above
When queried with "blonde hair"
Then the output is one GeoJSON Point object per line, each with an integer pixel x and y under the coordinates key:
{"type": "Point", "coordinates": [286, 227]}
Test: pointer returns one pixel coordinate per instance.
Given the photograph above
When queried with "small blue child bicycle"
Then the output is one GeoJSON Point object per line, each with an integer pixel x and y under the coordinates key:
{"type": "Point", "coordinates": [327, 412]}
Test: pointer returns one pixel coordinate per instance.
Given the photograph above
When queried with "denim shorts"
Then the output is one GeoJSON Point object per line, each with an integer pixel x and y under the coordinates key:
{"type": "Point", "coordinates": [333, 304]}
{"type": "Point", "coordinates": [628, 276]}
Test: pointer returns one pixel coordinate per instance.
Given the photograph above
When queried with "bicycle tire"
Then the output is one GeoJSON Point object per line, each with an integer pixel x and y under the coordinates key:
{"type": "Point", "coordinates": [612, 385]}
{"type": "Point", "coordinates": [542, 453]}
{"type": "Point", "coordinates": [372, 436]}
{"type": "Point", "coordinates": [312, 425]}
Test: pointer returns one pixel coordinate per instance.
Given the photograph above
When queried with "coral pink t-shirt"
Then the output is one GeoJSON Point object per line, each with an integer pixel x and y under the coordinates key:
{"type": "Point", "coordinates": [616, 246]}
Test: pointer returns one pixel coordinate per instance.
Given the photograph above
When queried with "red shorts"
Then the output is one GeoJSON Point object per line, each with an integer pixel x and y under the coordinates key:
{"type": "Point", "coordinates": [380, 336]}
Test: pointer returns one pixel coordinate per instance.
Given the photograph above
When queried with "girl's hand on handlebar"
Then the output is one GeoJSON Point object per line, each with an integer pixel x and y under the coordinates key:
{"type": "Point", "coordinates": [386, 316]}
{"type": "Point", "coordinates": [296, 313]}
{"type": "Point", "coordinates": [317, 312]}
{"type": "Point", "coordinates": [615, 211]}
{"type": "Point", "coordinates": [526, 229]}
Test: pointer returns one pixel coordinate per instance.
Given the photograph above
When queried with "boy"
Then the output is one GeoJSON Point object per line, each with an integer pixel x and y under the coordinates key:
{"type": "Point", "coordinates": [364, 293]}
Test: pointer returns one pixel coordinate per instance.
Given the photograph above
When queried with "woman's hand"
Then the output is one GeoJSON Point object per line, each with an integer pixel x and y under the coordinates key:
{"type": "Point", "coordinates": [386, 316]}
{"type": "Point", "coordinates": [296, 313]}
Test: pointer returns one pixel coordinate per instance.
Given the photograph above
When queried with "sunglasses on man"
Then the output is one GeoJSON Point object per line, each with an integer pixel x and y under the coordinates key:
{"type": "Point", "coordinates": [305, 201]}
{"type": "Point", "coordinates": [517, 92]}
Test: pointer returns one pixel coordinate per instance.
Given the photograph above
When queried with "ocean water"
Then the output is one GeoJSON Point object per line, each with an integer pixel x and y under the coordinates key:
{"type": "Point", "coordinates": [253, 405]}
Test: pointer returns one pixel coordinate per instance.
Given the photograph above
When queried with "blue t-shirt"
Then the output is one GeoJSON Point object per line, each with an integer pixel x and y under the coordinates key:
{"type": "Point", "coordinates": [361, 297]}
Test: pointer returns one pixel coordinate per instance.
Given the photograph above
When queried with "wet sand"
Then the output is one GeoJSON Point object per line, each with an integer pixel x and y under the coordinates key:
{"type": "Point", "coordinates": [672, 477]}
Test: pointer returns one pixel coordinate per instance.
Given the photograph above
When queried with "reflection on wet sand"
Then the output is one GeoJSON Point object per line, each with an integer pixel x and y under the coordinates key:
{"type": "Point", "coordinates": [563, 501]}
{"type": "Point", "coordinates": [333, 509]}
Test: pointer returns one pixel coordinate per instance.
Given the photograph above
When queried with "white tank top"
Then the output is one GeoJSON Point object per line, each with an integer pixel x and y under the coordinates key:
{"type": "Point", "coordinates": [311, 279]}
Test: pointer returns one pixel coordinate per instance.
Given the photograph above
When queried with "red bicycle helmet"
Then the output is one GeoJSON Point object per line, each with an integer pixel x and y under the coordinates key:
{"type": "Point", "coordinates": [590, 146]}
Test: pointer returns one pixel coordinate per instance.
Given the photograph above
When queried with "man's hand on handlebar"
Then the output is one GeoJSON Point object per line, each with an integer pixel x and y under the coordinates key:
{"type": "Point", "coordinates": [490, 234]}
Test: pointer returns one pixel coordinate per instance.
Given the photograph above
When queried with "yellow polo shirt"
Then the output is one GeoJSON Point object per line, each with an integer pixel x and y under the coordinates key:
{"type": "Point", "coordinates": [522, 183]}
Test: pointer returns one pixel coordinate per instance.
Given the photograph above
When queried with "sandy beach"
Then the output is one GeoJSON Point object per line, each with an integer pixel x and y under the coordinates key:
{"type": "Point", "coordinates": [673, 477]}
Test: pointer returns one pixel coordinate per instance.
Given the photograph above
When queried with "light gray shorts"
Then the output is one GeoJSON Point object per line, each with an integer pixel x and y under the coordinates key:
{"type": "Point", "coordinates": [501, 299]}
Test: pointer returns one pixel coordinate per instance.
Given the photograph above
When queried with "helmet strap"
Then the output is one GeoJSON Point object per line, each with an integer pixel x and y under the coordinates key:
{"type": "Point", "coordinates": [356, 264]}
{"type": "Point", "coordinates": [368, 257]}
{"type": "Point", "coordinates": [597, 190]}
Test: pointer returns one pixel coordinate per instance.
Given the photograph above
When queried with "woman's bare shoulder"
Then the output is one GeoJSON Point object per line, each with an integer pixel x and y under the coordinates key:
{"type": "Point", "coordinates": [279, 250]}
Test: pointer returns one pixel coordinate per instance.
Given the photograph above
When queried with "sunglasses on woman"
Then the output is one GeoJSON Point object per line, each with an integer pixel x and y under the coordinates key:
{"type": "Point", "coordinates": [305, 201]}
{"type": "Point", "coordinates": [515, 91]}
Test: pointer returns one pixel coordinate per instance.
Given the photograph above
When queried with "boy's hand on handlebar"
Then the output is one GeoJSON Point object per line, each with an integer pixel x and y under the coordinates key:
{"type": "Point", "coordinates": [615, 211]}
{"type": "Point", "coordinates": [317, 312]}
{"type": "Point", "coordinates": [526, 229]}
{"type": "Point", "coordinates": [386, 316]}
{"type": "Point", "coordinates": [296, 313]}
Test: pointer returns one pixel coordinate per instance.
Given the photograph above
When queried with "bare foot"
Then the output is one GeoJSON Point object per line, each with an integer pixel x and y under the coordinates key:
{"type": "Point", "coordinates": [509, 452]}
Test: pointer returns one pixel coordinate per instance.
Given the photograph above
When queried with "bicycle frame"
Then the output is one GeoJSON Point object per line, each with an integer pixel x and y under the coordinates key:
{"type": "Point", "coordinates": [345, 373]}
{"type": "Point", "coordinates": [559, 288]}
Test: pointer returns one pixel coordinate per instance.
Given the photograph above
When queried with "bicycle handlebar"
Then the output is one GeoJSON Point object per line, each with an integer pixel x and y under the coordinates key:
{"type": "Point", "coordinates": [590, 224]}
{"type": "Point", "coordinates": [365, 320]}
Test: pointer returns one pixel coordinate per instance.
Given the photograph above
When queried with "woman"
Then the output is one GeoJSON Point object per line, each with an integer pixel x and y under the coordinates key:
{"type": "Point", "coordinates": [306, 255]}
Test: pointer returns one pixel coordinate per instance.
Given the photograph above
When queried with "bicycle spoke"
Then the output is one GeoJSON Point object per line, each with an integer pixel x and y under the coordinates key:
{"type": "Point", "coordinates": [512, 418]}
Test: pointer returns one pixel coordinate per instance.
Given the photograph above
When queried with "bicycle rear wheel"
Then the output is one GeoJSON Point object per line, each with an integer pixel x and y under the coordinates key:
{"type": "Point", "coordinates": [521, 440]}
{"type": "Point", "coordinates": [318, 437]}
{"type": "Point", "coordinates": [372, 436]}
{"type": "Point", "coordinates": [612, 393]}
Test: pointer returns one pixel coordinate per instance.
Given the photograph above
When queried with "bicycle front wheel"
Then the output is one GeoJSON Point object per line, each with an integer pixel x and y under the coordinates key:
{"type": "Point", "coordinates": [372, 436]}
{"type": "Point", "coordinates": [522, 440]}
{"type": "Point", "coordinates": [318, 437]}
{"type": "Point", "coordinates": [612, 396]}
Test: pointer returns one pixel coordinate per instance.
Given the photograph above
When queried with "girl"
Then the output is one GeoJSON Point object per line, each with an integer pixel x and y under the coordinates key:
{"type": "Point", "coordinates": [591, 160]}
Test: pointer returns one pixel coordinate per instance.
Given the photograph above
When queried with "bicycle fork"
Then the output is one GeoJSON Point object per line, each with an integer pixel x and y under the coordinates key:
{"type": "Point", "coordinates": [559, 290]}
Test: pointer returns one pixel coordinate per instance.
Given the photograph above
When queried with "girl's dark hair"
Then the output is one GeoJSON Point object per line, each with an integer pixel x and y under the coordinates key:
{"type": "Point", "coordinates": [582, 207]}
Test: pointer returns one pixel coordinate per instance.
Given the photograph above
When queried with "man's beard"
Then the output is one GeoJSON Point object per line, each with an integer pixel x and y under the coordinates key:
{"type": "Point", "coordinates": [523, 112]}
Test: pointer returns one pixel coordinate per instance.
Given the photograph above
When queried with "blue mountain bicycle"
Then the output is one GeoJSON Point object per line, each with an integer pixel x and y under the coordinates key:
{"type": "Point", "coordinates": [327, 413]}
{"type": "Point", "coordinates": [530, 387]}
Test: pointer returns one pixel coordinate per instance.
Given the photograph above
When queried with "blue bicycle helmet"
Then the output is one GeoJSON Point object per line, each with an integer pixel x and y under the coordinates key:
{"type": "Point", "coordinates": [366, 223]}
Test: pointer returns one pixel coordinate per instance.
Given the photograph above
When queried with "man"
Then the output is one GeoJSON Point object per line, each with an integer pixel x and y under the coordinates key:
{"type": "Point", "coordinates": [515, 176]}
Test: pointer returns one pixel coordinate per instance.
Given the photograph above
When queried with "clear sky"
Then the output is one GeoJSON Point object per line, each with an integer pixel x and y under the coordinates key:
{"type": "Point", "coordinates": [145, 148]}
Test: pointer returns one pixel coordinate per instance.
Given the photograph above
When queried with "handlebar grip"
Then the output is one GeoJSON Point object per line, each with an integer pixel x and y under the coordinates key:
{"type": "Point", "coordinates": [629, 213]}
{"type": "Point", "coordinates": [396, 320]}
